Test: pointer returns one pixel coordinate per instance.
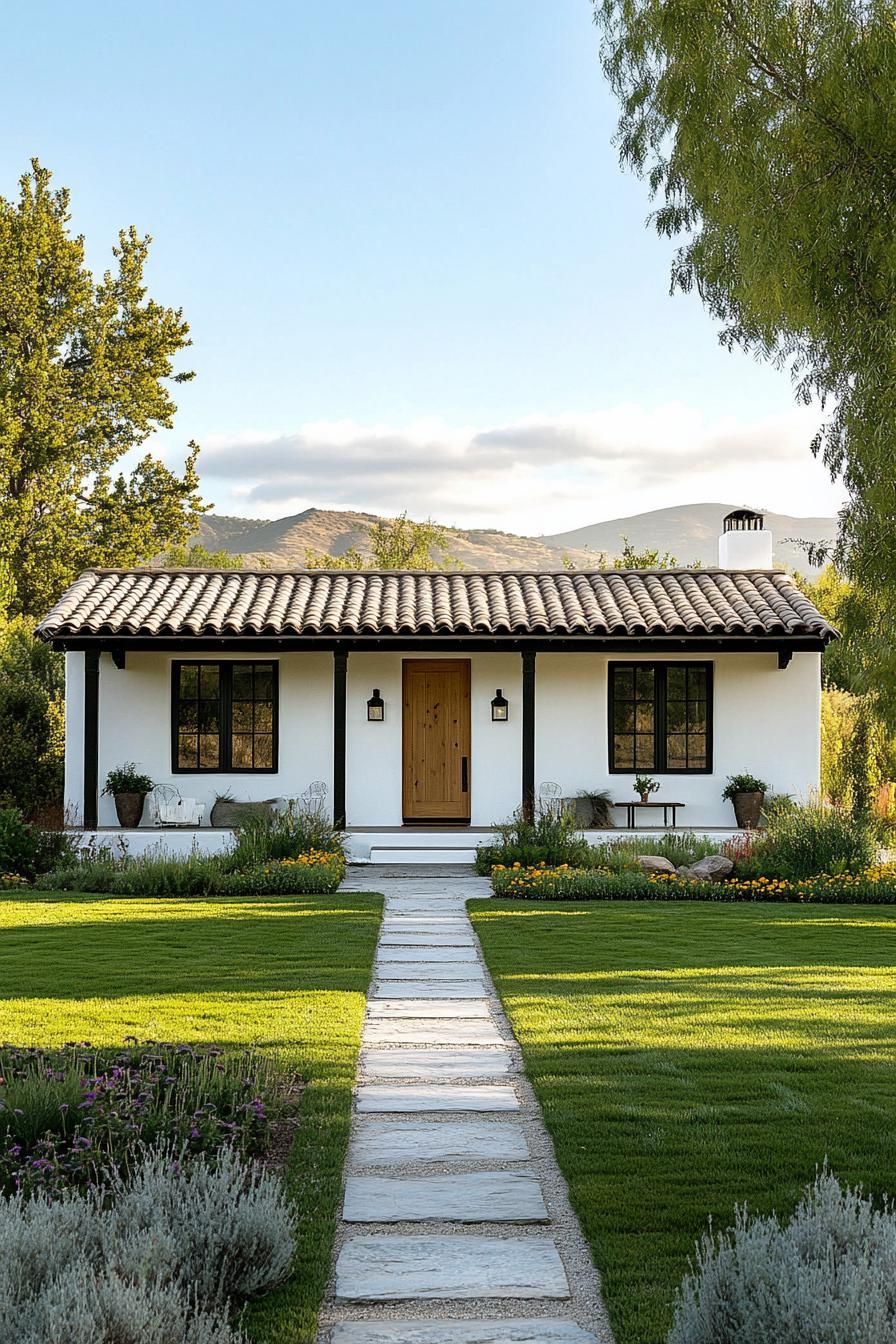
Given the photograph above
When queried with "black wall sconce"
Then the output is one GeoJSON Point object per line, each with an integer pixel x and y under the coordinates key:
{"type": "Point", "coordinates": [500, 708]}
{"type": "Point", "coordinates": [376, 707]}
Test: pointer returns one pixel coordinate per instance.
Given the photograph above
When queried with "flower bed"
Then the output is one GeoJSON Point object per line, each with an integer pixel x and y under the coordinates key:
{"type": "Point", "coordinates": [874, 885]}
{"type": "Point", "coordinates": [68, 1117]}
{"type": "Point", "coordinates": [315, 873]}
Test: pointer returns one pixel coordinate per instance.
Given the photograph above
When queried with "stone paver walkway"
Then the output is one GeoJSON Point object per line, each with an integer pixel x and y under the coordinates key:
{"type": "Point", "coordinates": [456, 1226]}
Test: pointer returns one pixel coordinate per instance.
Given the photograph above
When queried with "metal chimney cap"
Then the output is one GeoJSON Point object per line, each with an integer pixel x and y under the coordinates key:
{"type": "Point", "coordinates": [743, 520]}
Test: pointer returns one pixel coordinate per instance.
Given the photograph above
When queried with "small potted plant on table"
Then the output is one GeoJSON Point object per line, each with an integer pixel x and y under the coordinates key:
{"type": "Point", "coordinates": [129, 788]}
{"type": "Point", "coordinates": [747, 793]}
{"type": "Point", "coordinates": [645, 786]}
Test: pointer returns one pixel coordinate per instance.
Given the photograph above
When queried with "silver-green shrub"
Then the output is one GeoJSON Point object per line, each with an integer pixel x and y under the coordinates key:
{"type": "Point", "coordinates": [222, 1229]}
{"type": "Point", "coordinates": [827, 1276]}
{"type": "Point", "coordinates": [157, 1258]}
{"type": "Point", "coordinates": [86, 1306]}
{"type": "Point", "coordinates": [39, 1241]}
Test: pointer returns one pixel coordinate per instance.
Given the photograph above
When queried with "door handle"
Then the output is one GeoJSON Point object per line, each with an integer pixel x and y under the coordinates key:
{"type": "Point", "coordinates": [464, 774]}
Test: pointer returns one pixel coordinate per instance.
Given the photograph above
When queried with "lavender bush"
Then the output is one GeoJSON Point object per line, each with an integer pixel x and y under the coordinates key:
{"type": "Point", "coordinates": [157, 1257]}
{"type": "Point", "coordinates": [218, 1228]}
{"type": "Point", "coordinates": [86, 1306]}
{"type": "Point", "coordinates": [827, 1276]}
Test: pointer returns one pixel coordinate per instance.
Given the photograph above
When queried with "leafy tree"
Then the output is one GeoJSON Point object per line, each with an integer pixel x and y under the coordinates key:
{"type": "Point", "coordinates": [196, 556]}
{"type": "Point", "coordinates": [858, 750]}
{"type": "Point", "coordinates": [395, 543]}
{"type": "Point", "coordinates": [631, 558]}
{"type": "Point", "coordinates": [84, 368]}
{"type": "Point", "coordinates": [767, 131]}
{"type": "Point", "coordinates": [32, 719]}
{"type": "Point", "coordinates": [844, 665]}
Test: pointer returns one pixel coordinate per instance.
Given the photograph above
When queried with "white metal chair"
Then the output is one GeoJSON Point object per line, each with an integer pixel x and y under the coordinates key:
{"type": "Point", "coordinates": [314, 798]}
{"type": "Point", "coordinates": [549, 799]}
{"type": "Point", "coordinates": [168, 808]}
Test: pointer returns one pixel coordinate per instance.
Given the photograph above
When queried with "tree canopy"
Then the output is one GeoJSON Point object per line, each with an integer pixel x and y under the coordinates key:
{"type": "Point", "coordinates": [631, 558]}
{"type": "Point", "coordinates": [85, 368]}
{"type": "Point", "coordinates": [197, 556]}
{"type": "Point", "coordinates": [394, 543]}
{"type": "Point", "coordinates": [767, 132]}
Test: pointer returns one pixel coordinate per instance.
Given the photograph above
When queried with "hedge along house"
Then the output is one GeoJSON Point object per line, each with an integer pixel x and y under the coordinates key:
{"type": "Point", "coordinates": [431, 704]}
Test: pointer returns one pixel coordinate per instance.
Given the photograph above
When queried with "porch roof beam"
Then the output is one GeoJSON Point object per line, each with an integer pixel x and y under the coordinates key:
{"type": "Point", "coordinates": [671, 645]}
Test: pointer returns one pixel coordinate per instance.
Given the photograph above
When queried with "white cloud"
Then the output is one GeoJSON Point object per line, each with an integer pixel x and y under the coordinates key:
{"type": "Point", "coordinates": [539, 474]}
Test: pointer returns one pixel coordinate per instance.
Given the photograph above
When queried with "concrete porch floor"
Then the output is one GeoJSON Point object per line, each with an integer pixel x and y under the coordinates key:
{"type": "Point", "coordinates": [422, 845]}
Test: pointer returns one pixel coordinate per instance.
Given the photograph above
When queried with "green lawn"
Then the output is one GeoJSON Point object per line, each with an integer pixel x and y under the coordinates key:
{"type": "Point", "coordinates": [689, 1057]}
{"type": "Point", "coordinates": [287, 973]}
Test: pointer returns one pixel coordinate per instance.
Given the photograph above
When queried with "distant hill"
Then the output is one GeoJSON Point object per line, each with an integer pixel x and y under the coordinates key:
{"type": "Point", "coordinates": [689, 532]}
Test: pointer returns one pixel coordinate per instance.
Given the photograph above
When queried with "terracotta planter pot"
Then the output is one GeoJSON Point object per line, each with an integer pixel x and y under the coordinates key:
{"type": "Point", "coordinates": [129, 807]}
{"type": "Point", "coordinates": [748, 809]}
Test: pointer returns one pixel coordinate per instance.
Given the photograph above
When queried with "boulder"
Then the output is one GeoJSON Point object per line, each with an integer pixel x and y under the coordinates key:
{"type": "Point", "coordinates": [655, 863]}
{"type": "Point", "coordinates": [714, 868]}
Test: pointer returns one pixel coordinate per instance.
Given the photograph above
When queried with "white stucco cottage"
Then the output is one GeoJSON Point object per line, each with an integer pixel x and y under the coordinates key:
{"type": "Point", "coordinates": [430, 703]}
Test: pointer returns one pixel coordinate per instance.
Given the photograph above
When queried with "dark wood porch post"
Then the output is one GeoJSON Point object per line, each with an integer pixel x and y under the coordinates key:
{"type": "Point", "coordinates": [91, 737]}
{"type": "Point", "coordinates": [528, 734]}
{"type": "Point", "coordinates": [340, 670]}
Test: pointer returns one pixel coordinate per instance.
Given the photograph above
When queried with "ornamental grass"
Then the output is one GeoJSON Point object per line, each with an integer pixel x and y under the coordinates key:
{"type": "Point", "coordinates": [875, 884]}
{"type": "Point", "coordinates": [317, 872]}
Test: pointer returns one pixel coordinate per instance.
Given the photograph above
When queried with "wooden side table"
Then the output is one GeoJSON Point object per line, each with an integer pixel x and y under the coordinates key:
{"type": "Point", "coordinates": [632, 808]}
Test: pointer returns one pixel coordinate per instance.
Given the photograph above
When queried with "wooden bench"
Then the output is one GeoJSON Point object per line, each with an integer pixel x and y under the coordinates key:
{"type": "Point", "coordinates": [633, 807]}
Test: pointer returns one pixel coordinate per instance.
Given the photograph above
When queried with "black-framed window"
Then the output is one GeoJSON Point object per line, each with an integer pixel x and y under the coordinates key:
{"type": "Point", "coordinates": [224, 717]}
{"type": "Point", "coordinates": [660, 718]}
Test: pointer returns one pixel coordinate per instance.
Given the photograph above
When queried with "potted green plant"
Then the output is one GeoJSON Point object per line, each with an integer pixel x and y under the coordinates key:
{"type": "Point", "coordinates": [129, 788]}
{"type": "Point", "coordinates": [747, 793]}
{"type": "Point", "coordinates": [645, 786]}
{"type": "Point", "coordinates": [592, 809]}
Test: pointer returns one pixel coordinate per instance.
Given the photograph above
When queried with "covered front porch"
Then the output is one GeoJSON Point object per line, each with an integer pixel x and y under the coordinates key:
{"type": "Point", "coordinates": [427, 699]}
{"type": "Point", "coordinates": [391, 749]}
{"type": "Point", "coordinates": [364, 844]}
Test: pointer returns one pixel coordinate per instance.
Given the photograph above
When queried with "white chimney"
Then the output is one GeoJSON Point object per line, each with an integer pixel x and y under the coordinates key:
{"type": "Point", "coordinates": [745, 543]}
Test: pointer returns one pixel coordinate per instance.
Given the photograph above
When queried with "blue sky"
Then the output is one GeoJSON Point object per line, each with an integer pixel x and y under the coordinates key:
{"type": "Point", "coordinates": [415, 274]}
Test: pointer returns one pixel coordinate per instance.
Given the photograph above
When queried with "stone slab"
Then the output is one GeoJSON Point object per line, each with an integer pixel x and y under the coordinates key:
{"type": "Point", "coordinates": [428, 989]}
{"type": "Point", "coordinates": [387, 955]}
{"type": "Point", "coordinates": [448, 1063]}
{"type": "Point", "coordinates": [450, 901]}
{"type": "Point", "coordinates": [413, 1098]}
{"type": "Point", "coordinates": [428, 970]}
{"type": "Point", "coordinates": [379, 1009]}
{"type": "Point", "coordinates": [389, 1143]}
{"type": "Point", "coordinates": [398, 1268]}
{"type": "Point", "coordinates": [419, 914]}
{"type": "Point", "coordinates": [474, 1197]}
{"type": "Point", "coordinates": [424, 928]}
{"type": "Point", "coordinates": [455, 919]}
{"type": "Point", "coordinates": [426, 909]}
{"type": "Point", "coordinates": [430, 918]}
{"type": "Point", "coordinates": [534, 1330]}
{"type": "Point", "coordinates": [463, 938]}
{"type": "Point", "coordinates": [431, 1031]}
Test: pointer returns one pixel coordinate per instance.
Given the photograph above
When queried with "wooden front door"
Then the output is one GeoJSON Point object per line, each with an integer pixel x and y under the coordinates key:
{"type": "Point", "coordinates": [436, 731]}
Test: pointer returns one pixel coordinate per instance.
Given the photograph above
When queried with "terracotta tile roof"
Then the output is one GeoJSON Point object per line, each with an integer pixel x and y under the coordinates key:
{"type": "Point", "coordinates": [142, 603]}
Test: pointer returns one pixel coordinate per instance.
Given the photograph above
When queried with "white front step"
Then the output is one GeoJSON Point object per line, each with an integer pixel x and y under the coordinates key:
{"type": "Point", "coordinates": [422, 854]}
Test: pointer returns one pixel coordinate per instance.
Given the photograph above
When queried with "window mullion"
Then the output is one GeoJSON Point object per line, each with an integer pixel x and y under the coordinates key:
{"type": "Point", "coordinates": [225, 682]}
{"type": "Point", "coordinates": [659, 721]}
